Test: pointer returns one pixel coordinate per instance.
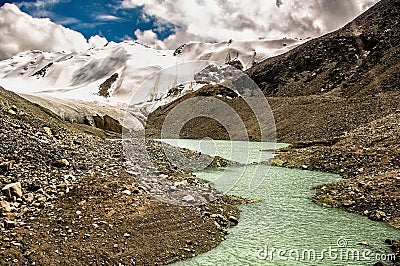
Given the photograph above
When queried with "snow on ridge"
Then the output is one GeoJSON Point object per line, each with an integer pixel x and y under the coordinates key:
{"type": "Point", "coordinates": [79, 75]}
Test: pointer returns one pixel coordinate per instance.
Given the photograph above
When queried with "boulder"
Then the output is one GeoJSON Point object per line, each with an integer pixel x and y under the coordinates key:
{"type": "Point", "coordinates": [189, 199]}
{"type": "Point", "coordinates": [48, 131]}
{"type": "Point", "coordinates": [60, 163]}
{"type": "Point", "coordinates": [12, 190]}
{"type": "Point", "coordinates": [5, 206]}
{"type": "Point", "coordinates": [234, 221]}
{"type": "Point", "coordinates": [13, 110]}
{"type": "Point", "coordinates": [6, 166]}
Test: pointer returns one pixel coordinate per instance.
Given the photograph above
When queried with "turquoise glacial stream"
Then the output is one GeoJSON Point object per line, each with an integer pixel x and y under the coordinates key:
{"type": "Point", "coordinates": [286, 228]}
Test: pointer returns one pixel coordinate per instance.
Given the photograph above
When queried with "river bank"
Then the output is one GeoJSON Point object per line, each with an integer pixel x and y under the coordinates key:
{"type": "Point", "coordinates": [367, 158]}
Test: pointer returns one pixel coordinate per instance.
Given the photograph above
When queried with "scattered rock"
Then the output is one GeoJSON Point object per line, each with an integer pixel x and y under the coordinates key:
{"type": "Point", "coordinates": [378, 215]}
{"type": "Point", "coordinates": [127, 192]}
{"type": "Point", "coordinates": [12, 190]}
{"type": "Point", "coordinates": [189, 199]}
{"type": "Point", "coordinates": [13, 110]}
{"type": "Point", "coordinates": [234, 221]}
{"type": "Point", "coordinates": [9, 224]}
{"type": "Point", "coordinates": [220, 219]}
{"type": "Point", "coordinates": [60, 163]}
{"type": "Point", "coordinates": [348, 203]}
{"type": "Point", "coordinates": [110, 213]}
{"type": "Point", "coordinates": [5, 206]}
{"type": "Point", "coordinates": [6, 166]}
{"type": "Point", "coordinates": [48, 131]}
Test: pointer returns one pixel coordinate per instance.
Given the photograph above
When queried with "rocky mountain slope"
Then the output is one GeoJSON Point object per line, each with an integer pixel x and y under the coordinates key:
{"type": "Point", "coordinates": [331, 85]}
{"type": "Point", "coordinates": [67, 199]}
{"type": "Point", "coordinates": [359, 59]}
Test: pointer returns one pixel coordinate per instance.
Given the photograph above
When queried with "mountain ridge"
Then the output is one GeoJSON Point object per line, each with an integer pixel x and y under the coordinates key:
{"type": "Point", "coordinates": [80, 75]}
{"type": "Point", "coordinates": [341, 62]}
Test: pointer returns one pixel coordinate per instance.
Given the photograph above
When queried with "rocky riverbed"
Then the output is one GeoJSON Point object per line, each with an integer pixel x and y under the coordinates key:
{"type": "Point", "coordinates": [368, 158]}
{"type": "Point", "coordinates": [68, 199]}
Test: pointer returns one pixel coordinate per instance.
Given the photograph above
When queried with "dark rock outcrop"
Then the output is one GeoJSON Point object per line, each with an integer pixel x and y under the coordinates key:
{"type": "Point", "coordinates": [104, 88]}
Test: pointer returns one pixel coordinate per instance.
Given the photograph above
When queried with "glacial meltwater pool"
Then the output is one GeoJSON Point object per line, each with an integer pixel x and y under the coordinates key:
{"type": "Point", "coordinates": [286, 228]}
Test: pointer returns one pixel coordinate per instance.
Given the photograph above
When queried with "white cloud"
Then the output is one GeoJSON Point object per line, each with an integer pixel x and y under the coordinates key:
{"type": "Point", "coordinates": [108, 18]}
{"type": "Point", "coordinates": [97, 41]}
{"type": "Point", "coordinates": [20, 32]}
{"type": "Point", "coordinates": [39, 3]}
{"type": "Point", "coordinates": [217, 20]}
{"type": "Point", "coordinates": [148, 37]}
{"type": "Point", "coordinates": [132, 4]}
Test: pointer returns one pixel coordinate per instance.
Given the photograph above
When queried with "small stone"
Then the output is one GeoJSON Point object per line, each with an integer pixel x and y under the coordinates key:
{"type": "Point", "coordinates": [110, 213]}
{"type": "Point", "coordinates": [348, 203]}
{"type": "Point", "coordinates": [189, 199]}
{"type": "Point", "coordinates": [29, 197]}
{"type": "Point", "coordinates": [304, 167]}
{"type": "Point", "coordinates": [217, 216]}
{"type": "Point", "coordinates": [127, 235]}
{"type": "Point", "coordinates": [12, 112]}
{"type": "Point", "coordinates": [127, 192]}
{"type": "Point", "coordinates": [233, 220]}
{"type": "Point", "coordinates": [42, 199]}
{"type": "Point", "coordinates": [217, 225]}
{"type": "Point", "coordinates": [78, 212]}
{"type": "Point", "coordinates": [13, 189]}
{"type": "Point", "coordinates": [60, 163]}
{"type": "Point", "coordinates": [115, 245]}
{"type": "Point", "coordinates": [378, 215]}
{"type": "Point", "coordinates": [9, 224]}
{"type": "Point", "coordinates": [16, 244]}
{"type": "Point", "coordinates": [6, 166]}
{"type": "Point", "coordinates": [48, 131]}
{"type": "Point", "coordinates": [5, 206]}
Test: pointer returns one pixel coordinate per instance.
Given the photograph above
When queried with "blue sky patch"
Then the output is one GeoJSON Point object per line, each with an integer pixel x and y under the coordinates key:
{"type": "Point", "coordinates": [105, 17]}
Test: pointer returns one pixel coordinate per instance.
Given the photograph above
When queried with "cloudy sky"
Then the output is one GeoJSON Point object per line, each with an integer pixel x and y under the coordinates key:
{"type": "Point", "coordinates": [76, 25]}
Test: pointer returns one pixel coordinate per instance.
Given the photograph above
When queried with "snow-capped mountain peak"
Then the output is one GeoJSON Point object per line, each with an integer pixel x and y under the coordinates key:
{"type": "Point", "coordinates": [81, 75]}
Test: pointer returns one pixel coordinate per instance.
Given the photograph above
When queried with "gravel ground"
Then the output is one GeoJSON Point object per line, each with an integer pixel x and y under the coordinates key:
{"type": "Point", "coordinates": [67, 197]}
